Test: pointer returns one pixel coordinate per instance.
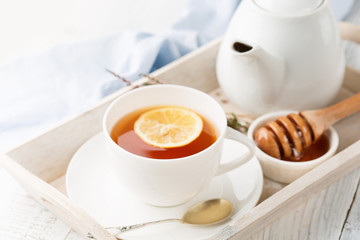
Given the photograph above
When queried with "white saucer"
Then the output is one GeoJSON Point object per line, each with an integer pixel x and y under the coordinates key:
{"type": "Point", "coordinates": [95, 188]}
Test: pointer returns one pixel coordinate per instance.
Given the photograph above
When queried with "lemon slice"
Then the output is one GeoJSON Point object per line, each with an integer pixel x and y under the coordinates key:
{"type": "Point", "coordinates": [168, 127]}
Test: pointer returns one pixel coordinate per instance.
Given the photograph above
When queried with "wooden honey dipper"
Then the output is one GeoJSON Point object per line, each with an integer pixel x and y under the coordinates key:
{"type": "Point", "coordinates": [288, 136]}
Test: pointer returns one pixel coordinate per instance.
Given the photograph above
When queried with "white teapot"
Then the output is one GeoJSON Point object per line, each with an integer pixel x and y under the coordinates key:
{"type": "Point", "coordinates": [281, 54]}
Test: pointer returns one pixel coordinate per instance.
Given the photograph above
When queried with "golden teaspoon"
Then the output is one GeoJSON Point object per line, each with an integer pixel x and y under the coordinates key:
{"type": "Point", "coordinates": [206, 212]}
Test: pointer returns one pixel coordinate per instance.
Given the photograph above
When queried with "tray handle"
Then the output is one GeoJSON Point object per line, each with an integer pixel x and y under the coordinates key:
{"type": "Point", "coordinates": [351, 32]}
{"type": "Point", "coordinates": [52, 199]}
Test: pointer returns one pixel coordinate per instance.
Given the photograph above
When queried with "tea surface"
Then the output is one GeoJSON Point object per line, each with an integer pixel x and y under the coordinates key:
{"type": "Point", "coordinates": [123, 134]}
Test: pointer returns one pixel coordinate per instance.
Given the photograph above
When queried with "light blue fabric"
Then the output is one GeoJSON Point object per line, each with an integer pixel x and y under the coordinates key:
{"type": "Point", "coordinates": [38, 91]}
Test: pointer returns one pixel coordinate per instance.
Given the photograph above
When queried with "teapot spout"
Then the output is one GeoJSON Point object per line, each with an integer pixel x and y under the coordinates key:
{"type": "Point", "coordinates": [265, 69]}
{"type": "Point", "coordinates": [241, 47]}
{"type": "Point", "coordinates": [269, 63]}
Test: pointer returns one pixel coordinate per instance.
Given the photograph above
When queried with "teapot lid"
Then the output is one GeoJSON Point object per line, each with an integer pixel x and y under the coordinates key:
{"type": "Point", "coordinates": [289, 7]}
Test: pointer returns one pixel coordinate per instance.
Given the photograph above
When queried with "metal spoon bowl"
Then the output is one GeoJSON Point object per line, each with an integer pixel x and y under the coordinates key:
{"type": "Point", "coordinates": [203, 213]}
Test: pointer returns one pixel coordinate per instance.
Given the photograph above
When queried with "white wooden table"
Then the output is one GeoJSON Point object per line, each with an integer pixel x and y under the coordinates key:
{"type": "Point", "coordinates": [333, 213]}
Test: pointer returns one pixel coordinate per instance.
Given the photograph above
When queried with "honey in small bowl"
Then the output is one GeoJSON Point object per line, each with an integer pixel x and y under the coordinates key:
{"type": "Point", "coordinates": [314, 151]}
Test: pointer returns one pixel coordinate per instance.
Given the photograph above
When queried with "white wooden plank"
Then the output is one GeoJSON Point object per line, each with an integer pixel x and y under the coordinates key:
{"type": "Point", "coordinates": [23, 218]}
{"type": "Point", "coordinates": [320, 217]}
{"type": "Point", "coordinates": [73, 236]}
{"type": "Point", "coordinates": [334, 207]}
{"type": "Point", "coordinates": [351, 230]}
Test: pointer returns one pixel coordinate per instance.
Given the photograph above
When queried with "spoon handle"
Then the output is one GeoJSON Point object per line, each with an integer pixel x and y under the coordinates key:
{"type": "Point", "coordinates": [121, 229]}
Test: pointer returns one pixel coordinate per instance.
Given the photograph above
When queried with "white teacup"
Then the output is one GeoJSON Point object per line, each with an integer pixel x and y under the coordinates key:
{"type": "Point", "coordinates": [172, 181]}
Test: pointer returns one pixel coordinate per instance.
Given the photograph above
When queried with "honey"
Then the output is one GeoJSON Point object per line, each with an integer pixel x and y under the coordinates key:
{"type": "Point", "coordinates": [316, 150]}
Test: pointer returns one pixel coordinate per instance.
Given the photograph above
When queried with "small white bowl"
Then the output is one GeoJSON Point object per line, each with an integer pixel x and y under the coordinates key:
{"type": "Point", "coordinates": [284, 171]}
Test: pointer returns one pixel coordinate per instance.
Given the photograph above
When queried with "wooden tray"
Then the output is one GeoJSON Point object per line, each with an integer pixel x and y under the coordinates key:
{"type": "Point", "coordinates": [40, 164]}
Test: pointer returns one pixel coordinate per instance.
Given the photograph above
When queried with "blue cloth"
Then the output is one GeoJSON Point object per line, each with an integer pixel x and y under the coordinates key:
{"type": "Point", "coordinates": [38, 91]}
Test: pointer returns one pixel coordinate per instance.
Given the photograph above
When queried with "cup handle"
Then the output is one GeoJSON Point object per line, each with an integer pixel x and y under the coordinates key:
{"type": "Point", "coordinates": [239, 137]}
